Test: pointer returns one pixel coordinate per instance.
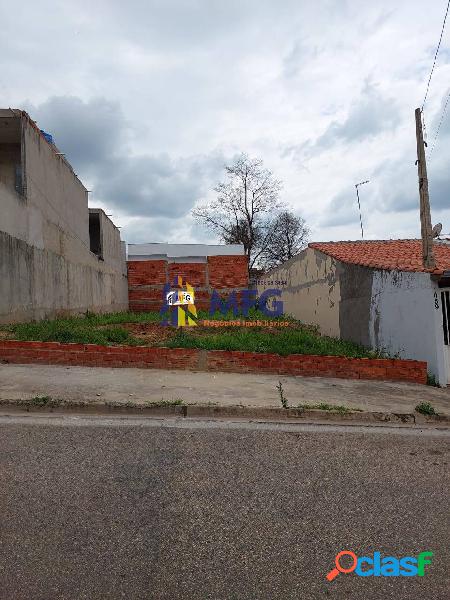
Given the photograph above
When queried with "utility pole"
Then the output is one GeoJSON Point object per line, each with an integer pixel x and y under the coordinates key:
{"type": "Point", "coordinates": [359, 206]}
{"type": "Point", "coordinates": [425, 216]}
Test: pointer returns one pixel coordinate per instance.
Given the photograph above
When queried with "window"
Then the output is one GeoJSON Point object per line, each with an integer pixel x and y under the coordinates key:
{"type": "Point", "coordinates": [95, 234]}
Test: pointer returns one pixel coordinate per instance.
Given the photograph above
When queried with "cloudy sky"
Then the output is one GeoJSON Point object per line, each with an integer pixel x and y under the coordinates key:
{"type": "Point", "coordinates": [149, 99]}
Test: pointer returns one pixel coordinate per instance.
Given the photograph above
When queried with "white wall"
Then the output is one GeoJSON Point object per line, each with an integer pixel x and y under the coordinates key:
{"type": "Point", "coordinates": [404, 319]}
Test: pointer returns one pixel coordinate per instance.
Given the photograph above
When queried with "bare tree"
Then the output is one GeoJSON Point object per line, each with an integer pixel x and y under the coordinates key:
{"type": "Point", "coordinates": [244, 207]}
{"type": "Point", "coordinates": [287, 235]}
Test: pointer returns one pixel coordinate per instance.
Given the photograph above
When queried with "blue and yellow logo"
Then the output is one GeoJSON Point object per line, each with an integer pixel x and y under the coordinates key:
{"type": "Point", "coordinates": [179, 304]}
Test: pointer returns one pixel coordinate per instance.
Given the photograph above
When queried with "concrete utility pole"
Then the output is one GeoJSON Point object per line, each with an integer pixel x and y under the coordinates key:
{"type": "Point", "coordinates": [425, 216]}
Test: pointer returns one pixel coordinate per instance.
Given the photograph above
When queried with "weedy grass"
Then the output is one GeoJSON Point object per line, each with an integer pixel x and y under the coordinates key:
{"type": "Point", "coordinates": [105, 329]}
{"type": "Point", "coordinates": [425, 408]}
{"type": "Point", "coordinates": [162, 403]}
{"type": "Point", "coordinates": [283, 399]}
{"type": "Point", "coordinates": [43, 401]}
{"type": "Point", "coordinates": [284, 341]}
{"type": "Point", "coordinates": [431, 380]}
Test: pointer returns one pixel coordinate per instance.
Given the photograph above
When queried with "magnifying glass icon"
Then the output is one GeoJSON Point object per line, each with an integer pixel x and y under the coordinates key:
{"type": "Point", "coordinates": [339, 568]}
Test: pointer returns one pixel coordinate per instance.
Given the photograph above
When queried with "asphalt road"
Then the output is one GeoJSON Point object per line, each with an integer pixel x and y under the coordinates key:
{"type": "Point", "coordinates": [105, 508]}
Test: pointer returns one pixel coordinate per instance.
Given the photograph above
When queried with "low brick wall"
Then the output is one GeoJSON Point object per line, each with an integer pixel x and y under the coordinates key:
{"type": "Point", "coordinates": [54, 353]}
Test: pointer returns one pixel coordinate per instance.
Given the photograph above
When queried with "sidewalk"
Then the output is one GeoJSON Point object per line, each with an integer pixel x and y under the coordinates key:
{"type": "Point", "coordinates": [18, 382]}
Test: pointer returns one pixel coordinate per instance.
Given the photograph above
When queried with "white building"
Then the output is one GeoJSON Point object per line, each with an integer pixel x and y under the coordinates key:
{"type": "Point", "coordinates": [375, 293]}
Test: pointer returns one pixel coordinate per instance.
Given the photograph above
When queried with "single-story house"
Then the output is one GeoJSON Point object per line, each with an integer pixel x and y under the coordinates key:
{"type": "Point", "coordinates": [375, 293]}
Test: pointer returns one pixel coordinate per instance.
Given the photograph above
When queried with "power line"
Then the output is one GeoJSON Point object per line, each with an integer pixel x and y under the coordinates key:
{"type": "Point", "coordinates": [436, 55]}
{"type": "Point", "coordinates": [440, 123]}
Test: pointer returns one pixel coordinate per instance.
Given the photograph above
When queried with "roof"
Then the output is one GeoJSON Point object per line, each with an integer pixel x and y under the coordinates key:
{"type": "Point", "coordinates": [398, 255]}
{"type": "Point", "coordinates": [183, 250]}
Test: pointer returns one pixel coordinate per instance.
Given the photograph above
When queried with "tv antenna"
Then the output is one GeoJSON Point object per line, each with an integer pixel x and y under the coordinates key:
{"type": "Point", "coordinates": [359, 205]}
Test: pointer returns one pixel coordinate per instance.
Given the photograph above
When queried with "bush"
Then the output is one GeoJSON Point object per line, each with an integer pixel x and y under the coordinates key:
{"type": "Point", "coordinates": [425, 408]}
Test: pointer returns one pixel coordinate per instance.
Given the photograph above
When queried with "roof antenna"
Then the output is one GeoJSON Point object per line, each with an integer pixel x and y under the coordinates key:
{"type": "Point", "coordinates": [359, 205]}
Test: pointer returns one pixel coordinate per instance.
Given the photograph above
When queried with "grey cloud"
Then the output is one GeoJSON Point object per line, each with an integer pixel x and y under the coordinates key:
{"type": "Point", "coordinates": [439, 188]}
{"type": "Point", "coordinates": [342, 209]}
{"type": "Point", "coordinates": [151, 185]}
{"type": "Point", "coordinates": [300, 52]}
{"type": "Point", "coordinates": [444, 131]}
{"type": "Point", "coordinates": [165, 229]}
{"type": "Point", "coordinates": [370, 115]}
{"type": "Point", "coordinates": [94, 136]}
{"type": "Point", "coordinates": [89, 133]}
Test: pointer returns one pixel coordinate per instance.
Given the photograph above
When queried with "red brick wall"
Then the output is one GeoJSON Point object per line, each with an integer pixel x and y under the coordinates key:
{"type": "Point", "coordinates": [147, 272]}
{"type": "Point", "coordinates": [146, 279]}
{"type": "Point", "coordinates": [54, 353]}
{"type": "Point", "coordinates": [228, 272]}
{"type": "Point", "coordinates": [195, 273]}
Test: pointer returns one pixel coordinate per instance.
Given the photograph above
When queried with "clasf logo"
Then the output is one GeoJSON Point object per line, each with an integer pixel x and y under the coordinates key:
{"type": "Point", "coordinates": [376, 566]}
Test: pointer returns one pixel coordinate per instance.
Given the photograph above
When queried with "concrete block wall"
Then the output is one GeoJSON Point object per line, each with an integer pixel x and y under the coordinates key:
{"type": "Point", "coordinates": [147, 278]}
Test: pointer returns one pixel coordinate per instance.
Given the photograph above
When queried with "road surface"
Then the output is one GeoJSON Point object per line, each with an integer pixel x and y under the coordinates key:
{"type": "Point", "coordinates": [112, 507]}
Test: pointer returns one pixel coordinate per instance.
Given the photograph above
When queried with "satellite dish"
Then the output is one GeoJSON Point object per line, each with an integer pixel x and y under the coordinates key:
{"type": "Point", "coordinates": [436, 231]}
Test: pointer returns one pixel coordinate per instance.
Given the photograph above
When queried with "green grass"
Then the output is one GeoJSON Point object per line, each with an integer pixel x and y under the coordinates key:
{"type": "Point", "coordinates": [42, 401]}
{"type": "Point", "coordinates": [105, 329]}
{"type": "Point", "coordinates": [164, 403]}
{"type": "Point", "coordinates": [431, 380]}
{"type": "Point", "coordinates": [425, 408]}
{"type": "Point", "coordinates": [67, 330]}
{"type": "Point", "coordinates": [286, 341]}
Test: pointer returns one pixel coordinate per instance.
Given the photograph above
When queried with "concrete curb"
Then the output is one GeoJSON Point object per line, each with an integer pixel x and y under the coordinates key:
{"type": "Point", "coordinates": [198, 411]}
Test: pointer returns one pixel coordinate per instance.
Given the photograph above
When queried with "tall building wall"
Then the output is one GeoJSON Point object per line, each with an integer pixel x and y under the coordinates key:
{"type": "Point", "coordinates": [46, 264]}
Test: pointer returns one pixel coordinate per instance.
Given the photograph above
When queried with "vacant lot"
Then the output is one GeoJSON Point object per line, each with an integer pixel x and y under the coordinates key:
{"type": "Point", "coordinates": [145, 329]}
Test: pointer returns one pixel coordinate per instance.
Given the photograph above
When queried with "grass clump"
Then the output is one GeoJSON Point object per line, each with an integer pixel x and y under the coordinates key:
{"type": "Point", "coordinates": [43, 401]}
{"type": "Point", "coordinates": [425, 408]}
{"type": "Point", "coordinates": [162, 403]}
{"type": "Point", "coordinates": [431, 380]}
{"type": "Point", "coordinates": [283, 399]}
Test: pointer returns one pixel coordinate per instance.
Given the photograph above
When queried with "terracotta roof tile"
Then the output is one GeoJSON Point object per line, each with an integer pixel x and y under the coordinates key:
{"type": "Point", "coordinates": [399, 255]}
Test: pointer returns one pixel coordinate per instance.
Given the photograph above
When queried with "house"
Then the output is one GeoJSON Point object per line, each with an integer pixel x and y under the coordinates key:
{"type": "Point", "coordinates": [375, 293]}
{"type": "Point", "coordinates": [223, 268]}
{"type": "Point", "coordinates": [57, 256]}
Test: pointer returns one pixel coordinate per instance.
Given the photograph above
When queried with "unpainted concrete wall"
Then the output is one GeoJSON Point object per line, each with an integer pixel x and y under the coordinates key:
{"type": "Point", "coordinates": [36, 284]}
{"type": "Point", "coordinates": [355, 284]}
{"type": "Point", "coordinates": [312, 290]}
{"type": "Point", "coordinates": [46, 263]}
